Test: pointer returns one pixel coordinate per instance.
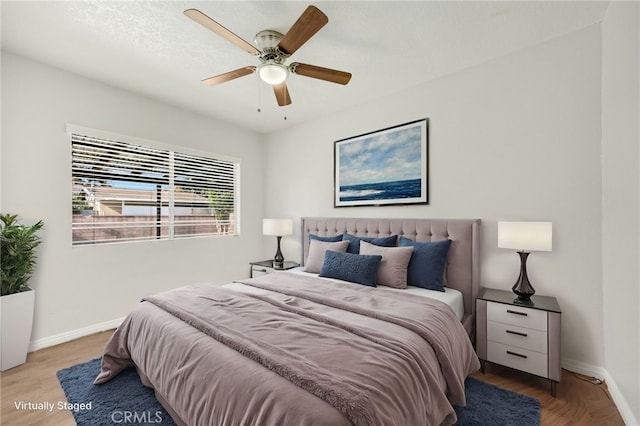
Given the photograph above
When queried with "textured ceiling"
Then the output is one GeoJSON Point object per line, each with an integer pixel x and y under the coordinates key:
{"type": "Point", "coordinates": [151, 48]}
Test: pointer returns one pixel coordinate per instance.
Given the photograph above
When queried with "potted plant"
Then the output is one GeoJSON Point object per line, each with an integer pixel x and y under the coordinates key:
{"type": "Point", "coordinates": [17, 262]}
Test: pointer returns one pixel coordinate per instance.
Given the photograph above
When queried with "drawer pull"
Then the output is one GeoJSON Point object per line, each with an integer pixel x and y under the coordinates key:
{"type": "Point", "coordinates": [517, 333]}
{"type": "Point", "coordinates": [524, 314]}
{"type": "Point", "coordinates": [517, 354]}
{"type": "Point", "coordinates": [260, 270]}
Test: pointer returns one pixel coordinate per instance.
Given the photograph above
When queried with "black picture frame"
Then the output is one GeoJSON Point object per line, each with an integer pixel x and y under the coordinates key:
{"type": "Point", "coordinates": [389, 166]}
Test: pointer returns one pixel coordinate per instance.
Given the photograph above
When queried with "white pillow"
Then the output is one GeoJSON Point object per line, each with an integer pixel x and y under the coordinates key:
{"type": "Point", "coordinates": [316, 253]}
{"type": "Point", "coordinates": [392, 271]}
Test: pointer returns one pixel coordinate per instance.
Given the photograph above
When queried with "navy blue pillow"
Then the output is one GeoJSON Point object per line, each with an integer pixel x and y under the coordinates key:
{"type": "Point", "coordinates": [326, 239]}
{"type": "Point", "coordinates": [427, 264]}
{"type": "Point", "coordinates": [354, 242]}
{"type": "Point", "coordinates": [356, 268]}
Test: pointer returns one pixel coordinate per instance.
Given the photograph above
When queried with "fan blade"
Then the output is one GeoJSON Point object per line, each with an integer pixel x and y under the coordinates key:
{"type": "Point", "coordinates": [212, 25]}
{"type": "Point", "coordinates": [282, 94]}
{"type": "Point", "coordinates": [311, 20]}
{"type": "Point", "coordinates": [228, 76]}
{"type": "Point", "coordinates": [321, 73]}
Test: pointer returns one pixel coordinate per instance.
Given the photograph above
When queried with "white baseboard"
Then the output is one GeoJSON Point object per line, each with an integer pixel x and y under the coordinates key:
{"type": "Point", "coordinates": [601, 373]}
{"type": "Point", "coordinates": [67, 336]}
{"type": "Point", "coordinates": [583, 368]}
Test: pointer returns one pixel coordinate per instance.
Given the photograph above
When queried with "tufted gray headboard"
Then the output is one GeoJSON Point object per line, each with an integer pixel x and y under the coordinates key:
{"type": "Point", "coordinates": [463, 263]}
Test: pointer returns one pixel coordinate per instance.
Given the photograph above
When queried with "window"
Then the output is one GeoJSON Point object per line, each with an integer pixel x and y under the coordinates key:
{"type": "Point", "coordinates": [130, 192]}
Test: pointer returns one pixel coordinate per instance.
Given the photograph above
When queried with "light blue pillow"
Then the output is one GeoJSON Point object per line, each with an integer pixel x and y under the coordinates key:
{"type": "Point", "coordinates": [356, 268]}
{"type": "Point", "coordinates": [427, 264]}
{"type": "Point", "coordinates": [354, 242]}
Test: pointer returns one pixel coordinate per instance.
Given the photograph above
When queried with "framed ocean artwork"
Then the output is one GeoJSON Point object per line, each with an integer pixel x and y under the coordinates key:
{"type": "Point", "coordinates": [384, 167]}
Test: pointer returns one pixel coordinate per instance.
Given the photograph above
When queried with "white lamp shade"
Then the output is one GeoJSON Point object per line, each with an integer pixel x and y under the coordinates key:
{"type": "Point", "coordinates": [277, 227]}
{"type": "Point", "coordinates": [525, 236]}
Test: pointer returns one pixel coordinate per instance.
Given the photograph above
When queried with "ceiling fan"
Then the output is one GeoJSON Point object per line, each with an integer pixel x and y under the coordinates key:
{"type": "Point", "coordinates": [273, 50]}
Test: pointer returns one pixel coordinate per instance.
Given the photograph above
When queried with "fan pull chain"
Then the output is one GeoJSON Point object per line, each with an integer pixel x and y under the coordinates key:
{"type": "Point", "coordinates": [259, 97]}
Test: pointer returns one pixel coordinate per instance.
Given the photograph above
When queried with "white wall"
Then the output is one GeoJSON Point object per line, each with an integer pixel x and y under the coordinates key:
{"type": "Point", "coordinates": [621, 201]}
{"type": "Point", "coordinates": [82, 286]}
{"type": "Point", "coordinates": [514, 138]}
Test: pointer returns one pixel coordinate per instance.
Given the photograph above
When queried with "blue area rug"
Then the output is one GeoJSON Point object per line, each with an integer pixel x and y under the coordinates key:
{"type": "Point", "coordinates": [489, 405]}
{"type": "Point", "coordinates": [125, 400]}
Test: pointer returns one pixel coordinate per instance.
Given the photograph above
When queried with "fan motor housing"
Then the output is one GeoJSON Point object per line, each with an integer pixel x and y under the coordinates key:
{"type": "Point", "coordinates": [267, 41]}
{"type": "Point", "coordinates": [268, 38]}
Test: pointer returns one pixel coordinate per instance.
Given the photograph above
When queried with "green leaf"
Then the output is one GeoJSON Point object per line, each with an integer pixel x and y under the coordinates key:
{"type": "Point", "coordinates": [17, 252]}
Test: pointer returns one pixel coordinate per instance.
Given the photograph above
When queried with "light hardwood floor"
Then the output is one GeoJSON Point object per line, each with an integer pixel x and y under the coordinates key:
{"type": "Point", "coordinates": [578, 401]}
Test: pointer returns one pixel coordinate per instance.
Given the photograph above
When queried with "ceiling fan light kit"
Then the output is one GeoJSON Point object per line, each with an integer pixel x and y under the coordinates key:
{"type": "Point", "coordinates": [273, 50]}
{"type": "Point", "coordinates": [272, 73]}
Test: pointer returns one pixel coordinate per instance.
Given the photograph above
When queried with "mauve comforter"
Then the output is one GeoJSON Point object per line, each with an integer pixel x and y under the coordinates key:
{"type": "Point", "coordinates": [296, 350]}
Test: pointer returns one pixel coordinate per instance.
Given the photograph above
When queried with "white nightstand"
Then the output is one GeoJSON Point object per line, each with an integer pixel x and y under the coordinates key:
{"type": "Point", "coordinates": [266, 267]}
{"type": "Point", "coordinates": [518, 335]}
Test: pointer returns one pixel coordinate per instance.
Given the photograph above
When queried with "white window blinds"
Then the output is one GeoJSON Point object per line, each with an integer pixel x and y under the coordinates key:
{"type": "Point", "coordinates": [130, 192]}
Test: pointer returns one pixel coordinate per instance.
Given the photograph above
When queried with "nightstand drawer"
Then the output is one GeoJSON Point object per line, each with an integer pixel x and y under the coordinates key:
{"type": "Point", "coordinates": [264, 267]}
{"type": "Point", "coordinates": [257, 271]}
{"type": "Point", "coordinates": [518, 358]}
{"type": "Point", "coordinates": [518, 316]}
{"type": "Point", "coordinates": [520, 337]}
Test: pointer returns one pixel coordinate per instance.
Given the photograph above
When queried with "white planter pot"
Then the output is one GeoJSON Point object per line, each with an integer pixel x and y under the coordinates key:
{"type": "Point", "coordinates": [16, 319]}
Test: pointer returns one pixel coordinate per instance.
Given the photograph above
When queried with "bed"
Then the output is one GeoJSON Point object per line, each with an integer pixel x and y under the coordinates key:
{"type": "Point", "coordinates": [295, 348]}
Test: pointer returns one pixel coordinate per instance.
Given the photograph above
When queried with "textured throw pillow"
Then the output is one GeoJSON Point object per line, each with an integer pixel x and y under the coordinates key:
{"type": "Point", "coordinates": [351, 267]}
{"type": "Point", "coordinates": [428, 263]}
{"type": "Point", "coordinates": [354, 242]}
{"type": "Point", "coordinates": [392, 271]}
{"type": "Point", "coordinates": [315, 259]}
{"type": "Point", "coordinates": [327, 239]}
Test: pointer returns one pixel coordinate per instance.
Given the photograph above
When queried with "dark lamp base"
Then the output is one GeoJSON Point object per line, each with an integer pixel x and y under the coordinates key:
{"type": "Point", "coordinates": [278, 260]}
{"type": "Point", "coordinates": [523, 302]}
{"type": "Point", "coordinates": [523, 287]}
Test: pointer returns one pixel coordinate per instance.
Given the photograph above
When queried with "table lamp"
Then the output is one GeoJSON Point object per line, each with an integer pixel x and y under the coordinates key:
{"type": "Point", "coordinates": [524, 237]}
{"type": "Point", "coordinates": [277, 227]}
